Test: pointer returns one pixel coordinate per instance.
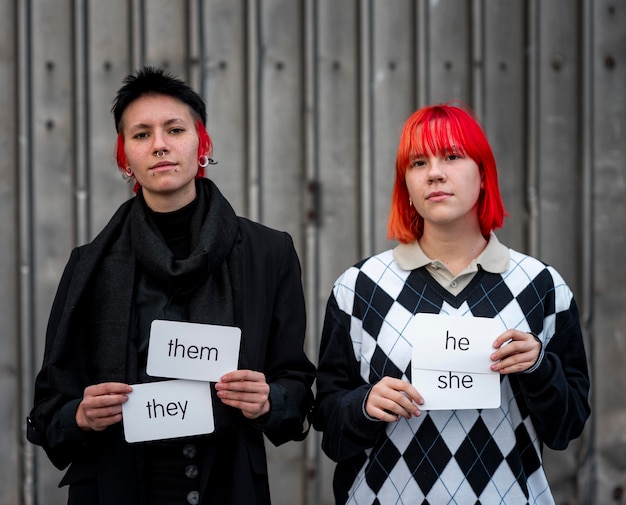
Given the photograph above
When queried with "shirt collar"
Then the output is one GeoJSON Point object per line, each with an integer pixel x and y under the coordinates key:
{"type": "Point", "coordinates": [494, 258]}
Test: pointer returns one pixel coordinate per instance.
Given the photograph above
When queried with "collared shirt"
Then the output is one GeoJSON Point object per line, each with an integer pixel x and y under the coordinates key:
{"type": "Point", "coordinates": [494, 258]}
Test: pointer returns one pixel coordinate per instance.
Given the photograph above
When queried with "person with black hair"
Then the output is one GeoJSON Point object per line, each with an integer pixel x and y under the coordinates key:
{"type": "Point", "coordinates": [178, 252]}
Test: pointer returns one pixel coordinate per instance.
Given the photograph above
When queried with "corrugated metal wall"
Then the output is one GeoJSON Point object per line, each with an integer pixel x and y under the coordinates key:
{"type": "Point", "coordinates": [305, 101]}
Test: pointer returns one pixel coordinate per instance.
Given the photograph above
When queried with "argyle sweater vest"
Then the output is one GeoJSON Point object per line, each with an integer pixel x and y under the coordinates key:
{"type": "Point", "coordinates": [487, 457]}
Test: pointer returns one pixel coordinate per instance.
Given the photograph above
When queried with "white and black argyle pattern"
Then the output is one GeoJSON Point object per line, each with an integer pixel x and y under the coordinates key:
{"type": "Point", "coordinates": [460, 457]}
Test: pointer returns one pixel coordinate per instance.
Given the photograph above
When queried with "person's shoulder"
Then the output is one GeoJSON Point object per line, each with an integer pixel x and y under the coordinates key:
{"type": "Point", "coordinates": [369, 266]}
{"type": "Point", "coordinates": [260, 234]}
{"type": "Point", "coordinates": [264, 243]}
{"type": "Point", "coordinates": [384, 258]}
{"type": "Point", "coordinates": [533, 268]}
{"type": "Point", "coordinates": [254, 227]}
{"type": "Point", "coordinates": [110, 230]}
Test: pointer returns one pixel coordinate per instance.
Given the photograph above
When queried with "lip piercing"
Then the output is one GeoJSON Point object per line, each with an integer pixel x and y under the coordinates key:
{"type": "Point", "coordinates": [175, 170]}
{"type": "Point", "coordinates": [160, 154]}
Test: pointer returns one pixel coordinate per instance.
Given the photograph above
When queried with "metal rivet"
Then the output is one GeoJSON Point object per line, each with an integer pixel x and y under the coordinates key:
{"type": "Point", "coordinates": [558, 60]}
{"type": "Point", "coordinates": [609, 61]}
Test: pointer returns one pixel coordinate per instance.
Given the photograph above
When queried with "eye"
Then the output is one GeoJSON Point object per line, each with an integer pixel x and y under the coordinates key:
{"type": "Point", "coordinates": [418, 162]}
{"type": "Point", "coordinates": [176, 130]}
{"type": "Point", "coordinates": [140, 135]}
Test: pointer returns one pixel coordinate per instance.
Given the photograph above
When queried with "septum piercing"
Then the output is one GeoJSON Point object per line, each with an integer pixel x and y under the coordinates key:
{"type": "Point", "coordinates": [160, 154]}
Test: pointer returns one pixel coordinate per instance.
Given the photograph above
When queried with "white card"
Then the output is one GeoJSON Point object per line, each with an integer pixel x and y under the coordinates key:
{"type": "Point", "coordinates": [168, 409]}
{"type": "Point", "coordinates": [448, 390]}
{"type": "Point", "coordinates": [450, 364]}
{"type": "Point", "coordinates": [192, 351]}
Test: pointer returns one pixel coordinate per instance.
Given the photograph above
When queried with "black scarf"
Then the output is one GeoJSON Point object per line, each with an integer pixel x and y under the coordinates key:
{"type": "Point", "coordinates": [209, 278]}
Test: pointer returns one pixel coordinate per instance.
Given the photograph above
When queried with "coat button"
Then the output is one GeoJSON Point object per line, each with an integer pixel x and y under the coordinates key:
{"type": "Point", "coordinates": [189, 451]}
{"type": "Point", "coordinates": [191, 471]}
{"type": "Point", "coordinates": [193, 498]}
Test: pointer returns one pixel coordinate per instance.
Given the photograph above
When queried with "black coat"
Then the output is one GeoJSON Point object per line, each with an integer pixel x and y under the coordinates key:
{"type": "Point", "coordinates": [104, 469]}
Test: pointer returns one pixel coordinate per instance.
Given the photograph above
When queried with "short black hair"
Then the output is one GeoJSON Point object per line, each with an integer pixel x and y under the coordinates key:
{"type": "Point", "coordinates": [150, 80]}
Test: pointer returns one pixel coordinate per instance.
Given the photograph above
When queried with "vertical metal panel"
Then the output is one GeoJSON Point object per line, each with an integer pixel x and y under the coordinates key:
{"type": "Point", "coordinates": [282, 174]}
{"type": "Point", "coordinates": [558, 173]}
{"type": "Point", "coordinates": [586, 482]}
{"type": "Point", "coordinates": [532, 133]}
{"type": "Point", "coordinates": [253, 107]}
{"type": "Point", "coordinates": [25, 289]}
{"type": "Point", "coordinates": [338, 140]}
{"type": "Point", "coordinates": [224, 90]}
{"type": "Point", "coordinates": [80, 123]}
{"type": "Point", "coordinates": [15, 353]}
{"type": "Point", "coordinates": [393, 101]}
{"type": "Point", "coordinates": [338, 155]}
{"type": "Point", "coordinates": [310, 253]}
{"type": "Point", "coordinates": [165, 35]}
{"type": "Point", "coordinates": [609, 235]}
{"type": "Point", "coordinates": [195, 44]}
{"type": "Point", "coordinates": [281, 106]}
{"type": "Point", "coordinates": [499, 102]}
{"type": "Point", "coordinates": [558, 132]}
{"type": "Point", "coordinates": [366, 239]}
{"type": "Point", "coordinates": [53, 163]}
{"type": "Point", "coordinates": [422, 61]}
{"type": "Point", "coordinates": [449, 51]}
{"type": "Point", "coordinates": [109, 60]}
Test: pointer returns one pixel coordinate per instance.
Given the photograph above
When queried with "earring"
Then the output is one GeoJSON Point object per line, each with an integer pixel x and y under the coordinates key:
{"type": "Point", "coordinates": [204, 161]}
{"type": "Point", "coordinates": [128, 172]}
{"type": "Point", "coordinates": [410, 202]}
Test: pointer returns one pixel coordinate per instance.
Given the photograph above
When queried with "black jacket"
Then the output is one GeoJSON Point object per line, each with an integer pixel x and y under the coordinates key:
{"type": "Point", "coordinates": [273, 330]}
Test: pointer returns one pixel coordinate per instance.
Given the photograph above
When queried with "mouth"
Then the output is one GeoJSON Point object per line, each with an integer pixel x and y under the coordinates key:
{"type": "Point", "coordinates": [437, 196]}
{"type": "Point", "coordinates": [163, 166]}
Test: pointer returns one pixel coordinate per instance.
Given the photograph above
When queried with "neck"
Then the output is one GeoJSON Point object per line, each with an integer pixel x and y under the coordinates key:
{"type": "Point", "coordinates": [164, 202]}
{"type": "Point", "coordinates": [456, 248]}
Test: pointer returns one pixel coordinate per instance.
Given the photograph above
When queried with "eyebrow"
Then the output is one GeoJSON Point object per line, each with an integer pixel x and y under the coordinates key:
{"type": "Point", "coordinates": [141, 126]}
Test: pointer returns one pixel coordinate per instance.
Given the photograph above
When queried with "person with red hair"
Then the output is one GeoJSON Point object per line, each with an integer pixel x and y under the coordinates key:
{"type": "Point", "coordinates": [389, 447]}
{"type": "Point", "coordinates": [176, 252]}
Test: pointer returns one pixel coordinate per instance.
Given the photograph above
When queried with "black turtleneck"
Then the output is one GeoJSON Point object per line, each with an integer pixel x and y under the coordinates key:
{"type": "Point", "coordinates": [176, 228]}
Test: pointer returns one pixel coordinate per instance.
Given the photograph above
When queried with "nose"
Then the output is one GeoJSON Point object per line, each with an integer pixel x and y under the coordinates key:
{"type": "Point", "coordinates": [435, 170]}
{"type": "Point", "coordinates": [159, 145]}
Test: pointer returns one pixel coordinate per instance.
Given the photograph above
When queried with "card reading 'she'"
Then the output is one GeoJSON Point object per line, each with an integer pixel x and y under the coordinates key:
{"type": "Point", "coordinates": [194, 351]}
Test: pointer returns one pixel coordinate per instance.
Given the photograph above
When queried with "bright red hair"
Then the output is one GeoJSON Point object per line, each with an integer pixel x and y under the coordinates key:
{"type": "Point", "coordinates": [433, 130]}
{"type": "Point", "coordinates": [205, 148]}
